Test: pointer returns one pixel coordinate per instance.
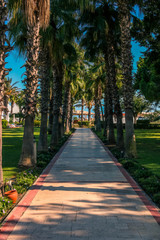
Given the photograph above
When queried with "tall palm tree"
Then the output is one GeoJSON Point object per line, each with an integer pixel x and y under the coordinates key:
{"type": "Point", "coordinates": [126, 58]}
{"type": "Point", "coordinates": [4, 49]}
{"type": "Point", "coordinates": [95, 40]}
{"type": "Point", "coordinates": [29, 15]}
{"type": "Point", "coordinates": [36, 15]}
{"type": "Point", "coordinates": [61, 32]}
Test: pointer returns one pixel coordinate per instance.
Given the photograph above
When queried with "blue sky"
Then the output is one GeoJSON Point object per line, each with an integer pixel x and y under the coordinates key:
{"type": "Point", "coordinates": [16, 62]}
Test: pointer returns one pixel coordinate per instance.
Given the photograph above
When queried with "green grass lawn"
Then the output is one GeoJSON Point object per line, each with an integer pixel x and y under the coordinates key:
{"type": "Point", "coordinates": [148, 148]}
{"type": "Point", "coordinates": [12, 145]}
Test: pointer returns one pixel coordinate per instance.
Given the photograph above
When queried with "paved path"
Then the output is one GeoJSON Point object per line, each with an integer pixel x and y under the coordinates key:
{"type": "Point", "coordinates": [86, 197]}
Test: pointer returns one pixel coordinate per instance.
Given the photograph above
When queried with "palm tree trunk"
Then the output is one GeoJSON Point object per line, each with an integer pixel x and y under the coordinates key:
{"type": "Point", "coordinates": [68, 112]}
{"type": "Point", "coordinates": [82, 111]}
{"type": "Point", "coordinates": [97, 112]}
{"type": "Point", "coordinates": [4, 48]}
{"type": "Point", "coordinates": [115, 92]}
{"type": "Point", "coordinates": [27, 158]}
{"type": "Point", "coordinates": [126, 58]}
{"type": "Point", "coordinates": [105, 112]}
{"type": "Point", "coordinates": [71, 114]}
{"type": "Point", "coordinates": [50, 125]}
{"type": "Point", "coordinates": [111, 136]}
{"type": "Point", "coordinates": [5, 106]}
{"type": "Point", "coordinates": [57, 102]}
{"type": "Point", "coordinates": [60, 128]}
{"type": "Point", "coordinates": [1, 170]}
{"type": "Point", "coordinates": [66, 104]}
{"type": "Point", "coordinates": [44, 73]}
{"type": "Point", "coordinates": [89, 113]}
{"type": "Point", "coordinates": [109, 105]}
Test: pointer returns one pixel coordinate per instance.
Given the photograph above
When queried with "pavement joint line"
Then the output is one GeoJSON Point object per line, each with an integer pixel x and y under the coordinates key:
{"type": "Point", "coordinates": [84, 157]}
{"type": "Point", "coordinates": [14, 216]}
{"type": "Point", "coordinates": [145, 199]}
{"type": "Point", "coordinates": [86, 182]}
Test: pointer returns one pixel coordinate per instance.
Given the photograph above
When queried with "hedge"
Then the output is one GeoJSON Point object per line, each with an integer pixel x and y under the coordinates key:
{"type": "Point", "coordinates": [37, 123]}
{"type": "Point", "coordinates": [84, 123]}
{"type": "Point", "coordinates": [4, 123]}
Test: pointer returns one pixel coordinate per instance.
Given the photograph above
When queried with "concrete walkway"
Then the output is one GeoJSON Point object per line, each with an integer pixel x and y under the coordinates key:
{"type": "Point", "coordinates": [86, 197]}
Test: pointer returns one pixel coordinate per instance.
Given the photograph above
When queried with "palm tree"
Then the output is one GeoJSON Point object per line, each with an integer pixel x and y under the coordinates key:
{"type": "Point", "coordinates": [10, 94]}
{"type": "Point", "coordinates": [97, 97]}
{"type": "Point", "coordinates": [69, 78]}
{"type": "Point", "coordinates": [126, 58]}
{"type": "Point", "coordinates": [4, 49]}
{"type": "Point", "coordinates": [61, 32]}
{"type": "Point", "coordinates": [29, 15]}
{"type": "Point", "coordinates": [37, 15]}
{"type": "Point", "coordinates": [95, 40]}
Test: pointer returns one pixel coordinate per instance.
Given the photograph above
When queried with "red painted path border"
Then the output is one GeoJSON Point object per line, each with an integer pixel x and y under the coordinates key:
{"type": "Point", "coordinates": [149, 205]}
{"type": "Point", "coordinates": [22, 206]}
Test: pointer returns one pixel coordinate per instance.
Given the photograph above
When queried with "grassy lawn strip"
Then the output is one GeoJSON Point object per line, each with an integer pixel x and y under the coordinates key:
{"type": "Point", "coordinates": [148, 148]}
{"type": "Point", "coordinates": [12, 146]}
{"type": "Point", "coordinates": [145, 169]}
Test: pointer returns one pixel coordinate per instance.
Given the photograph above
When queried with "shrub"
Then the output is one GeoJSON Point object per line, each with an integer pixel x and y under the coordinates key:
{"type": "Point", "coordinates": [128, 164]}
{"type": "Point", "coordinates": [156, 198]}
{"type": "Point", "coordinates": [151, 184]}
{"type": "Point", "coordinates": [37, 123]}
{"type": "Point", "coordinates": [25, 179]}
{"type": "Point", "coordinates": [19, 123]}
{"type": "Point", "coordinates": [143, 123]}
{"type": "Point", "coordinates": [84, 123]}
{"type": "Point", "coordinates": [19, 115]}
{"type": "Point", "coordinates": [142, 173]}
{"type": "Point", "coordinates": [4, 123]}
{"type": "Point", "coordinates": [44, 157]}
{"type": "Point", "coordinates": [5, 205]}
{"type": "Point", "coordinates": [42, 164]}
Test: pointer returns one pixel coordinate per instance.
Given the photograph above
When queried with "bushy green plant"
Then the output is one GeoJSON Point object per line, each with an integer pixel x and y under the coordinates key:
{"type": "Point", "coordinates": [5, 205]}
{"type": "Point", "coordinates": [142, 173]}
{"type": "Point", "coordinates": [84, 123]}
{"type": "Point", "coordinates": [43, 159]}
{"type": "Point", "coordinates": [19, 123]}
{"type": "Point", "coordinates": [151, 184]}
{"type": "Point", "coordinates": [143, 123]}
{"type": "Point", "coordinates": [25, 179]}
{"type": "Point", "coordinates": [37, 123]}
{"type": "Point", "coordinates": [4, 123]}
{"type": "Point", "coordinates": [42, 164]}
{"type": "Point", "coordinates": [128, 164]}
{"type": "Point", "coordinates": [156, 198]}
